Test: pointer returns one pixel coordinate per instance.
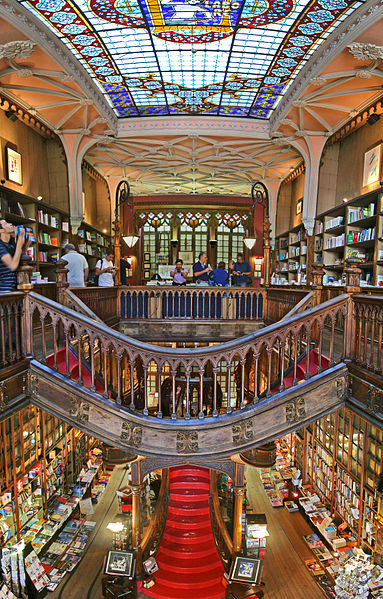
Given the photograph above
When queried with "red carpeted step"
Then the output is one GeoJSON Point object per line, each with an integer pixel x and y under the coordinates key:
{"type": "Point", "coordinates": [73, 368]}
{"type": "Point", "coordinates": [161, 591]}
{"type": "Point", "coordinates": [188, 560]}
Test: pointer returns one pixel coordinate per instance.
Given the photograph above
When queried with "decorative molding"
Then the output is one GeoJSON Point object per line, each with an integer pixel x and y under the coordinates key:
{"type": "Point", "coordinates": [353, 26]}
{"type": "Point", "coordinates": [295, 410]}
{"type": "Point", "coordinates": [29, 24]}
{"type": "Point", "coordinates": [187, 442]}
{"type": "Point", "coordinates": [366, 51]}
{"type": "Point", "coordinates": [26, 115]}
{"type": "Point", "coordinates": [243, 432]}
{"type": "Point", "coordinates": [3, 396]}
{"type": "Point", "coordinates": [131, 434]}
{"type": "Point", "coordinates": [308, 223]}
{"type": "Point", "coordinates": [17, 49]}
{"type": "Point", "coordinates": [130, 127]}
{"type": "Point", "coordinates": [375, 400]}
{"type": "Point", "coordinates": [79, 411]}
{"type": "Point", "coordinates": [341, 388]}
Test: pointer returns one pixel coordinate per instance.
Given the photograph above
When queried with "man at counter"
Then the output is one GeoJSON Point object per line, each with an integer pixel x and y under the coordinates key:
{"type": "Point", "coordinates": [242, 272]}
{"type": "Point", "coordinates": [201, 271]}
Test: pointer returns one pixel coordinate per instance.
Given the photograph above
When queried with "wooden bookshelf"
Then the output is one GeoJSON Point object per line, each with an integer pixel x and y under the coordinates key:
{"type": "Point", "coordinates": [353, 229]}
{"type": "Point", "coordinates": [290, 254]}
{"type": "Point", "coordinates": [92, 243]}
{"type": "Point", "coordinates": [46, 226]}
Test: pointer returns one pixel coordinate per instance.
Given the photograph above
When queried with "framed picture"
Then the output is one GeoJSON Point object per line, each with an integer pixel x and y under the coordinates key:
{"type": "Point", "coordinates": [120, 563]}
{"type": "Point", "coordinates": [147, 265]}
{"type": "Point", "coordinates": [300, 206]}
{"type": "Point", "coordinates": [371, 165]}
{"type": "Point", "coordinates": [246, 569]}
{"type": "Point", "coordinates": [146, 257]}
{"type": "Point", "coordinates": [13, 162]}
{"type": "Point", "coordinates": [146, 275]}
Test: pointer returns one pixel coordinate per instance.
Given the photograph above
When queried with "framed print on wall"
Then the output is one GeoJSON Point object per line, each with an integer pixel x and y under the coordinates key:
{"type": "Point", "coordinates": [13, 162]}
{"type": "Point", "coordinates": [120, 563]}
{"type": "Point", "coordinates": [300, 206]}
{"type": "Point", "coordinates": [371, 165]}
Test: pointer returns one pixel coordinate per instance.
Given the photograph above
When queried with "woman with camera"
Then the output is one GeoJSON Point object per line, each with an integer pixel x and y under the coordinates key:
{"type": "Point", "coordinates": [179, 274]}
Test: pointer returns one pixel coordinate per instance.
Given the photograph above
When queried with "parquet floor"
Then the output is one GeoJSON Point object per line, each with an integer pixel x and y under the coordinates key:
{"type": "Point", "coordinates": [284, 572]}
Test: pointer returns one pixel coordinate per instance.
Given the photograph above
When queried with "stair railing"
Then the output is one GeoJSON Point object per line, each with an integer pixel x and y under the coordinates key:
{"type": "Point", "coordinates": [221, 534]}
{"type": "Point", "coordinates": [191, 383]}
{"type": "Point", "coordinates": [153, 534]}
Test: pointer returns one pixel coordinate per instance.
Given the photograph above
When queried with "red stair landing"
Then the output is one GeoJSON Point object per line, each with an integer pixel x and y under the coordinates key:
{"type": "Point", "coordinates": [188, 560]}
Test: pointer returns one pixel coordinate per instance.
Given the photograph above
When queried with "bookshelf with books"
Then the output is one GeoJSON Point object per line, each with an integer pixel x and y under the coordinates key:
{"type": "Point", "coordinates": [323, 472]}
{"type": "Point", "coordinates": [92, 243]}
{"type": "Point", "coordinates": [353, 229]}
{"type": "Point", "coordinates": [46, 227]}
{"type": "Point", "coordinates": [290, 256]}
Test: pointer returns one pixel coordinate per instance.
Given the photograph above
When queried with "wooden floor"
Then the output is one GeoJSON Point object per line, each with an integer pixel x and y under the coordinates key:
{"type": "Point", "coordinates": [284, 573]}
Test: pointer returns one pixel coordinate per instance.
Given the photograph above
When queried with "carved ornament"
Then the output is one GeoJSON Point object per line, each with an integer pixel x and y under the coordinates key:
{"type": "Point", "coordinates": [79, 411]}
{"type": "Point", "coordinates": [187, 442]}
{"type": "Point", "coordinates": [131, 434]}
{"type": "Point", "coordinates": [295, 410]}
{"type": "Point", "coordinates": [17, 49]}
{"type": "Point", "coordinates": [366, 51]}
{"type": "Point", "coordinates": [243, 432]}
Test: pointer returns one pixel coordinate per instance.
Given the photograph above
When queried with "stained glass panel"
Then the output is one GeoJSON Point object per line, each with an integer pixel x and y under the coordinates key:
{"type": "Point", "coordinates": [226, 57]}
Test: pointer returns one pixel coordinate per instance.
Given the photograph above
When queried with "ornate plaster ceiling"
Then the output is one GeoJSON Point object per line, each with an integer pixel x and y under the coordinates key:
{"type": "Point", "coordinates": [193, 163]}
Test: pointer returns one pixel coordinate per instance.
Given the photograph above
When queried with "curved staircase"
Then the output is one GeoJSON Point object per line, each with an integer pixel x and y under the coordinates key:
{"type": "Point", "coordinates": [188, 560]}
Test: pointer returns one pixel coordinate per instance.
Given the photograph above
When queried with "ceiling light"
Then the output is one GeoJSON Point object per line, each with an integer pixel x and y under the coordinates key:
{"type": "Point", "coordinates": [250, 242]}
{"type": "Point", "coordinates": [40, 198]}
{"type": "Point", "coordinates": [130, 240]}
{"type": "Point", "coordinates": [345, 199]}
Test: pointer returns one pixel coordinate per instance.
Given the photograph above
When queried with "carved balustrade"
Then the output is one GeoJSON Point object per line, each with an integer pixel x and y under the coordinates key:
{"type": "Point", "coordinates": [367, 339]}
{"type": "Point", "coordinates": [221, 534]}
{"type": "Point", "coordinates": [196, 303]}
{"type": "Point", "coordinates": [12, 349]}
{"type": "Point", "coordinates": [152, 537]}
{"type": "Point", "coordinates": [181, 383]}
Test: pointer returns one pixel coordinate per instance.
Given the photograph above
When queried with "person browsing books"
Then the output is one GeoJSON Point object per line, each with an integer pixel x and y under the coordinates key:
{"type": "Point", "coordinates": [105, 270]}
{"type": "Point", "coordinates": [77, 266]}
{"type": "Point", "coordinates": [10, 255]}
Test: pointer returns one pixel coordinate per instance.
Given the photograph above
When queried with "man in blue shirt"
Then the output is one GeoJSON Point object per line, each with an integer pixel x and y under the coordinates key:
{"type": "Point", "coordinates": [201, 271]}
{"type": "Point", "coordinates": [242, 272]}
{"type": "Point", "coordinates": [221, 276]}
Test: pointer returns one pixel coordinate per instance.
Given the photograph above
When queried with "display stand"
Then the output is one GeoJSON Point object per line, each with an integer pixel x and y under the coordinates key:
{"type": "Point", "coordinates": [118, 581]}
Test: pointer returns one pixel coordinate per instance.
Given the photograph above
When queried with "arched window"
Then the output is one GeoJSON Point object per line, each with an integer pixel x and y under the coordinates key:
{"type": "Point", "coordinates": [156, 246]}
{"type": "Point", "coordinates": [229, 242]}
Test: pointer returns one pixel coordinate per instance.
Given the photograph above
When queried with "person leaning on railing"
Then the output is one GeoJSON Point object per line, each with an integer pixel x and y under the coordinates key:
{"type": "Point", "coordinates": [10, 254]}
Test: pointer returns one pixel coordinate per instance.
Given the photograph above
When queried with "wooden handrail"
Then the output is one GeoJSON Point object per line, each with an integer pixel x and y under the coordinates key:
{"type": "Point", "coordinates": [303, 304]}
{"type": "Point", "coordinates": [222, 537]}
{"type": "Point", "coordinates": [152, 536]}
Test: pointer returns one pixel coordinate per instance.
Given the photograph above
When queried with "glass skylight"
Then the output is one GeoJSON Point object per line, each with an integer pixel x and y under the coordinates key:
{"type": "Point", "coordinates": [216, 57]}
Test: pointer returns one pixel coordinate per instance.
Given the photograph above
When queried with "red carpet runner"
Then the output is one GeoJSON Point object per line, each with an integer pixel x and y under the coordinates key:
{"type": "Point", "coordinates": [188, 560]}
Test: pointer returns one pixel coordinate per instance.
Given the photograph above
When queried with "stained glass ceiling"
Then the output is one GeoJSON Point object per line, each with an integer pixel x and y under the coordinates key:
{"type": "Point", "coordinates": [208, 57]}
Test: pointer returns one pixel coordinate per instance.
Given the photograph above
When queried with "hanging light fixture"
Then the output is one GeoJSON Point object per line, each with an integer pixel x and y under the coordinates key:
{"type": "Point", "coordinates": [130, 240]}
{"type": "Point", "coordinates": [249, 242]}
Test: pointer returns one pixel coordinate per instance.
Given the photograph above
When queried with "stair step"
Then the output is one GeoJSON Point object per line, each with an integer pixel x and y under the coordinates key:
{"type": "Point", "coordinates": [179, 580]}
{"type": "Point", "coordinates": [189, 495]}
{"type": "Point", "coordinates": [161, 591]}
{"type": "Point", "coordinates": [186, 564]}
{"type": "Point", "coordinates": [186, 522]}
{"type": "Point", "coordinates": [187, 537]}
{"type": "Point", "coordinates": [180, 486]}
{"type": "Point", "coordinates": [178, 549]}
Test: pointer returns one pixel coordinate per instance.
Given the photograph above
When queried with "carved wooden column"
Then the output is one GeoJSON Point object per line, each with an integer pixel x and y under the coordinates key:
{"type": "Point", "coordinates": [310, 259]}
{"type": "Point", "coordinates": [266, 250]}
{"type": "Point", "coordinates": [136, 514]}
{"type": "Point", "coordinates": [352, 272]}
{"type": "Point", "coordinates": [317, 274]}
{"type": "Point", "coordinates": [117, 248]}
{"type": "Point", "coordinates": [239, 493]}
{"type": "Point", "coordinates": [61, 282]}
{"type": "Point", "coordinates": [24, 284]}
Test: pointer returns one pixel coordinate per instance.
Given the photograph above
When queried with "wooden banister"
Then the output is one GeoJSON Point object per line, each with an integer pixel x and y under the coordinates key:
{"type": "Point", "coordinates": [153, 533]}
{"type": "Point", "coordinates": [222, 537]}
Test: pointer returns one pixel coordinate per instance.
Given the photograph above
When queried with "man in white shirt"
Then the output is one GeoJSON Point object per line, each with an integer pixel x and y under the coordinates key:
{"type": "Point", "coordinates": [78, 269]}
{"type": "Point", "coordinates": [106, 270]}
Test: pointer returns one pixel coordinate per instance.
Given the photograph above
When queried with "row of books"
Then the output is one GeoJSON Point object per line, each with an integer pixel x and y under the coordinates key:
{"type": "Point", "coordinates": [47, 219]}
{"type": "Point", "coordinates": [359, 236]}
{"type": "Point", "coordinates": [332, 223]}
{"type": "Point", "coordinates": [355, 214]}
{"type": "Point", "coordinates": [334, 242]}
{"type": "Point", "coordinates": [49, 257]}
{"type": "Point", "coordinates": [294, 251]}
{"type": "Point", "coordinates": [283, 255]}
{"type": "Point", "coordinates": [48, 239]}
{"type": "Point", "coordinates": [84, 248]}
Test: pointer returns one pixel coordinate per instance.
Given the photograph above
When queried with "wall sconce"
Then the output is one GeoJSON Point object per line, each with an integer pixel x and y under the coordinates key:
{"type": "Point", "coordinates": [213, 243]}
{"type": "Point", "coordinates": [130, 240]}
{"type": "Point", "coordinates": [174, 243]}
{"type": "Point", "coordinates": [249, 242]}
